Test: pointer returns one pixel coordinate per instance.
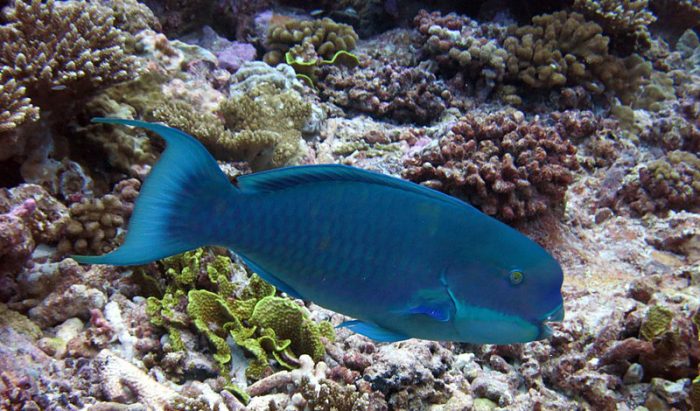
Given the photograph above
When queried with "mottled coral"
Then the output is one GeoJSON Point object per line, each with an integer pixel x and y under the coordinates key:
{"type": "Point", "coordinates": [325, 36]}
{"type": "Point", "coordinates": [626, 22]}
{"type": "Point", "coordinates": [94, 222]}
{"type": "Point", "coordinates": [669, 183]}
{"type": "Point", "coordinates": [403, 94]}
{"type": "Point", "coordinates": [460, 44]}
{"type": "Point", "coordinates": [501, 163]}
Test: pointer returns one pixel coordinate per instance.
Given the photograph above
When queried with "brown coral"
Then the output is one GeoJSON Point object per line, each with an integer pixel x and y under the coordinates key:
{"type": "Point", "coordinates": [669, 183]}
{"type": "Point", "coordinates": [626, 22]}
{"type": "Point", "coordinates": [404, 94]}
{"type": "Point", "coordinates": [326, 36]}
{"type": "Point", "coordinates": [56, 47]}
{"type": "Point", "coordinates": [94, 223]}
{"type": "Point", "coordinates": [506, 166]}
{"type": "Point", "coordinates": [15, 106]}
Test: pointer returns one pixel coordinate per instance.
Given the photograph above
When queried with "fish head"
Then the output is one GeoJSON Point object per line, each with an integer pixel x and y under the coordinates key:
{"type": "Point", "coordinates": [508, 296]}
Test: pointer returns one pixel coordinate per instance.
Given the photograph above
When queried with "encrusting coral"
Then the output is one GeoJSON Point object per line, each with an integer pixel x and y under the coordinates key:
{"type": "Point", "coordinates": [501, 163]}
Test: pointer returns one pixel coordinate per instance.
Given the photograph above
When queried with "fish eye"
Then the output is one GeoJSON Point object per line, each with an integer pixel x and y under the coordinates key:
{"type": "Point", "coordinates": [516, 277]}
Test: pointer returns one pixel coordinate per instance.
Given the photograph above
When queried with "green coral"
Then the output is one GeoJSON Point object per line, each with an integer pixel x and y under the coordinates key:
{"type": "Point", "coordinates": [266, 124]}
{"type": "Point", "coordinates": [656, 322]}
{"type": "Point", "coordinates": [264, 325]}
{"type": "Point", "coordinates": [262, 126]}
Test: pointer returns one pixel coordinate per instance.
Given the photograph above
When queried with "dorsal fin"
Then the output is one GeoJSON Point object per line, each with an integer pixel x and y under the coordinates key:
{"type": "Point", "coordinates": [282, 178]}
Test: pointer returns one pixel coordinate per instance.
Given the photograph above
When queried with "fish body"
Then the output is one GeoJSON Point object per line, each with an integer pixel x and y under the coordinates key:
{"type": "Point", "coordinates": [403, 260]}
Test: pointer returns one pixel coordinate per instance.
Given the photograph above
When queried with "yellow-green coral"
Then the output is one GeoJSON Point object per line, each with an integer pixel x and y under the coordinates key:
{"type": "Point", "coordinates": [266, 124]}
{"type": "Point", "coordinates": [656, 322]}
{"type": "Point", "coordinates": [264, 325]}
{"type": "Point", "coordinates": [324, 37]}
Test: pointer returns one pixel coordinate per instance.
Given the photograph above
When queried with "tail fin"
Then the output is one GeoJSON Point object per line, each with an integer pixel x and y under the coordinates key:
{"type": "Point", "coordinates": [178, 205]}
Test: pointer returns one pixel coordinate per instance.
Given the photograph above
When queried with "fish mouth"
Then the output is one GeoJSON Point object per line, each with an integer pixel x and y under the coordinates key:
{"type": "Point", "coordinates": [556, 315]}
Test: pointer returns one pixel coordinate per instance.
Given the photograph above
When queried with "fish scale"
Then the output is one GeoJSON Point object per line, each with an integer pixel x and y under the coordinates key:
{"type": "Point", "coordinates": [401, 259]}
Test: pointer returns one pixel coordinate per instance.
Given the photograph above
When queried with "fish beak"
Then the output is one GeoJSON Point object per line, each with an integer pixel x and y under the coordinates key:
{"type": "Point", "coordinates": [556, 315]}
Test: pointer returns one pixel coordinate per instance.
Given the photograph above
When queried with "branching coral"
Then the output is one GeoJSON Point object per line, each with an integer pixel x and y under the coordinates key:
{"type": "Point", "coordinates": [507, 166]}
{"type": "Point", "coordinates": [626, 22]}
{"type": "Point", "coordinates": [94, 223]}
{"type": "Point", "coordinates": [325, 36]}
{"type": "Point", "coordinates": [50, 47]}
{"type": "Point", "coordinates": [15, 106]}
{"type": "Point", "coordinates": [54, 52]}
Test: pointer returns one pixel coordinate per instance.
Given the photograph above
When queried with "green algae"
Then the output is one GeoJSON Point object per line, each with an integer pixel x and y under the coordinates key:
{"type": "Point", "coordinates": [18, 322]}
{"type": "Point", "coordinates": [656, 322]}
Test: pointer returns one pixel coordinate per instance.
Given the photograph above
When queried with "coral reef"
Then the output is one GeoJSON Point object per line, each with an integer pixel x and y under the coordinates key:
{"type": "Point", "coordinates": [501, 163]}
{"type": "Point", "coordinates": [264, 325]}
{"type": "Point", "coordinates": [626, 23]}
{"type": "Point", "coordinates": [669, 183]}
{"type": "Point", "coordinates": [563, 48]}
{"type": "Point", "coordinates": [325, 37]}
{"type": "Point", "coordinates": [403, 94]}
{"type": "Point", "coordinates": [62, 50]}
{"type": "Point", "coordinates": [460, 44]}
{"type": "Point", "coordinates": [94, 222]}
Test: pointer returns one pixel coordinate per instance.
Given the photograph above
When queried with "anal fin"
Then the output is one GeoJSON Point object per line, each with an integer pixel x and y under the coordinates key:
{"type": "Point", "coordinates": [372, 331]}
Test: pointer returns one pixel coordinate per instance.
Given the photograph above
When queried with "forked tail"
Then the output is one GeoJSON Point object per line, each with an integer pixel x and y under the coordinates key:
{"type": "Point", "coordinates": [181, 205]}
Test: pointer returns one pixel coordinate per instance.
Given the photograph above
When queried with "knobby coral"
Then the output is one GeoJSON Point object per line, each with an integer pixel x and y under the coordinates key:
{"type": "Point", "coordinates": [325, 37]}
{"type": "Point", "coordinates": [501, 163]}
{"type": "Point", "coordinates": [403, 94]}
{"type": "Point", "coordinates": [94, 222]}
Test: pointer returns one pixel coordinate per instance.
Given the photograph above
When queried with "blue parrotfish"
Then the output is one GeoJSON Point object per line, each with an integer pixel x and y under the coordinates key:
{"type": "Point", "coordinates": [403, 260]}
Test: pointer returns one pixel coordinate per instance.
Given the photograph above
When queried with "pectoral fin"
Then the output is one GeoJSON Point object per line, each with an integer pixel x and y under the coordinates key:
{"type": "Point", "coordinates": [439, 311]}
{"type": "Point", "coordinates": [372, 331]}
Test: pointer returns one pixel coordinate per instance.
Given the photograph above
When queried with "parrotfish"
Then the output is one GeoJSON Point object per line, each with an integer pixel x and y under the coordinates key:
{"type": "Point", "coordinates": [403, 260]}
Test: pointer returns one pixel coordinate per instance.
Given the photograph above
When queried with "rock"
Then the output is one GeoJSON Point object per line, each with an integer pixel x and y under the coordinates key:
{"type": "Point", "coordinates": [634, 374]}
{"type": "Point", "coordinates": [672, 392]}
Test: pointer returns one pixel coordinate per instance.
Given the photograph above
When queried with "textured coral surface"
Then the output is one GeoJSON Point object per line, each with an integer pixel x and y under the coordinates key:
{"type": "Point", "coordinates": [577, 123]}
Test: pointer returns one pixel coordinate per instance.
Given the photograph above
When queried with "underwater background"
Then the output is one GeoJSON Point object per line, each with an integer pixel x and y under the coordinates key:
{"type": "Point", "coordinates": [576, 122]}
